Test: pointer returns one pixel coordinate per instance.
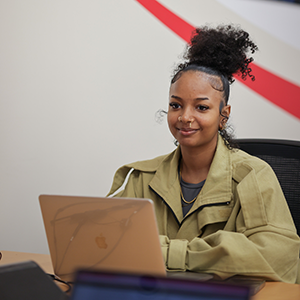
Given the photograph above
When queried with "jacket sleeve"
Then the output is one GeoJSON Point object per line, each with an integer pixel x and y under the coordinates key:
{"type": "Point", "coordinates": [262, 243]}
{"type": "Point", "coordinates": [265, 252]}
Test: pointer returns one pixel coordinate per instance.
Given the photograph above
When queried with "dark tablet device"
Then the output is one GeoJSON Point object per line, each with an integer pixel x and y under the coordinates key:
{"type": "Point", "coordinates": [27, 281]}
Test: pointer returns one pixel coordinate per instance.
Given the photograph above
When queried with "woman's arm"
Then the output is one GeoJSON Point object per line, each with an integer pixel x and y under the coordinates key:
{"type": "Point", "coordinates": [267, 252]}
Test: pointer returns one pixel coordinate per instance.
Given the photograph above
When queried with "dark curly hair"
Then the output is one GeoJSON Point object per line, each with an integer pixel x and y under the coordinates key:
{"type": "Point", "coordinates": [221, 52]}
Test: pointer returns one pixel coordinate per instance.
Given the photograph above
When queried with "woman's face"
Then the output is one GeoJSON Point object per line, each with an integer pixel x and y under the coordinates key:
{"type": "Point", "coordinates": [194, 110]}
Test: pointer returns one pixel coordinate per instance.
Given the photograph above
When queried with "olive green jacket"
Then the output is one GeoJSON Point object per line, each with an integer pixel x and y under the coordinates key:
{"type": "Point", "coordinates": [239, 224]}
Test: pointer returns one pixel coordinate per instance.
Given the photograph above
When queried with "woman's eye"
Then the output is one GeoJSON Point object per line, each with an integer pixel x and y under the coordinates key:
{"type": "Point", "coordinates": [202, 107]}
{"type": "Point", "coordinates": [174, 105]}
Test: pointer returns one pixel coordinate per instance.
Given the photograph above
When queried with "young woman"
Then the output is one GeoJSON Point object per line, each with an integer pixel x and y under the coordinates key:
{"type": "Point", "coordinates": [219, 210]}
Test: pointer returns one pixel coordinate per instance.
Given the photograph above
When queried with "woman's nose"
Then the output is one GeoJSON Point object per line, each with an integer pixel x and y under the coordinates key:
{"type": "Point", "coordinates": [187, 116]}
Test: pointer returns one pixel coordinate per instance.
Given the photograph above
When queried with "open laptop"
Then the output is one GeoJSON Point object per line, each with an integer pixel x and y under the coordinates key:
{"type": "Point", "coordinates": [110, 234]}
{"type": "Point", "coordinates": [91, 285]}
{"type": "Point", "coordinates": [116, 234]}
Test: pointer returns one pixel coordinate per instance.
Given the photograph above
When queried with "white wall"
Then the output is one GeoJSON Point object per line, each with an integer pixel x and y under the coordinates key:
{"type": "Point", "coordinates": [80, 82]}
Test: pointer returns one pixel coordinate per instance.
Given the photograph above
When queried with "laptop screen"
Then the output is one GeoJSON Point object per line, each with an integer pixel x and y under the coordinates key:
{"type": "Point", "coordinates": [95, 285]}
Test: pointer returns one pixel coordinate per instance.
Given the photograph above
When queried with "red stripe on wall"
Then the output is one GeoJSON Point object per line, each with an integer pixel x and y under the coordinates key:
{"type": "Point", "coordinates": [277, 90]}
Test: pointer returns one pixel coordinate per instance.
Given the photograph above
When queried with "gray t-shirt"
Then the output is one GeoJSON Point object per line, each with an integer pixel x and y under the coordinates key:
{"type": "Point", "coordinates": [189, 191]}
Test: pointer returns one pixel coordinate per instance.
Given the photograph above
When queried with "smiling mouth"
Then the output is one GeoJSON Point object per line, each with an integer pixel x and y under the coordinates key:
{"type": "Point", "coordinates": [187, 131]}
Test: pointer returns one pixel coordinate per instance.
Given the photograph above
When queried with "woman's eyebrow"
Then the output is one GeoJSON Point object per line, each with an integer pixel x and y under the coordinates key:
{"type": "Point", "coordinates": [201, 98]}
{"type": "Point", "coordinates": [196, 99]}
{"type": "Point", "coordinates": [175, 97]}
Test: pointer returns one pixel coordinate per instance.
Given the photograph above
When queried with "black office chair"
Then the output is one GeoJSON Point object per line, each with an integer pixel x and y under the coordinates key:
{"type": "Point", "coordinates": [284, 157]}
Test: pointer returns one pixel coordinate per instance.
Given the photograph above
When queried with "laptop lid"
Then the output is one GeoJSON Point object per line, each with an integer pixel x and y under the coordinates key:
{"type": "Point", "coordinates": [116, 234]}
{"type": "Point", "coordinates": [107, 285]}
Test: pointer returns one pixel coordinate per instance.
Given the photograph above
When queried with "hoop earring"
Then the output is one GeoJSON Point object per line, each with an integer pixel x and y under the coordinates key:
{"type": "Point", "coordinates": [225, 117]}
{"type": "Point", "coordinates": [223, 127]}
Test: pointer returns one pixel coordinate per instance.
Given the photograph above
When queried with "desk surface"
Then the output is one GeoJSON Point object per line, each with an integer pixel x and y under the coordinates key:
{"type": "Point", "coordinates": [271, 291]}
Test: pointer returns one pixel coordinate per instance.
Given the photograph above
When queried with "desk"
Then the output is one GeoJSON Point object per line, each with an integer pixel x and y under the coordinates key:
{"type": "Point", "coordinates": [271, 291]}
{"type": "Point", "coordinates": [43, 260]}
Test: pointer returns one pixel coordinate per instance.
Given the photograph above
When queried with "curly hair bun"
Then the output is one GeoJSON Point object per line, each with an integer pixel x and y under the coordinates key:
{"type": "Point", "coordinates": [224, 49]}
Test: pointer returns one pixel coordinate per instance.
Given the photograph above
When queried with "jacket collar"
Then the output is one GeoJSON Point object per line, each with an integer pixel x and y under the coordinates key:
{"type": "Point", "coordinates": [217, 187]}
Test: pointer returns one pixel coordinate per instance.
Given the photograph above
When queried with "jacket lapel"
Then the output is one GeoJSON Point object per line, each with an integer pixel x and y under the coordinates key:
{"type": "Point", "coordinates": [217, 187]}
{"type": "Point", "coordinates": [216, 190]}
{"type": "Point", "coordinates": [166, 183]}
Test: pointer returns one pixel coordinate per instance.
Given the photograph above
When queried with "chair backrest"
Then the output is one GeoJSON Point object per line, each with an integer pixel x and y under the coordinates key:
{"type": "Point", "coordinates": [284, 157]}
